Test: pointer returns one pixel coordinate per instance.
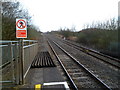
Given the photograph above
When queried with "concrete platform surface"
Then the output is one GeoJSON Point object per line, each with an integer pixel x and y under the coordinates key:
{"type": "Point", "coordinates": [48, 75]}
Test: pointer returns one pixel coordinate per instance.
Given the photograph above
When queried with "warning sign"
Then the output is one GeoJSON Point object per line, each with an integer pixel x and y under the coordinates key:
{"type": "Point", "coordinates": [21, 28]}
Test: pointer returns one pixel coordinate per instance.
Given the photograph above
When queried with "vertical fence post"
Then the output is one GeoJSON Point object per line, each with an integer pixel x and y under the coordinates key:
{"type": "Point", "coordinates": [12, 62]}
{"type": "Point", "coordinates": [23, 58]}
{"type": "Point", "coordinates": [33, 51]}
{"type": "Point", "coordinates": [17, 62]}
{"type": "Point", "coordinates": [21, 61]}
{"type": "Point", "coordinates": [29, 53]}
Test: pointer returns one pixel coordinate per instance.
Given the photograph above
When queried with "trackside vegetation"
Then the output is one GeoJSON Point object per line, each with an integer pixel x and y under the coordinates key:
{"type": "Point", "coordinates": [103, 40]}
{"type": "Point", "coordinates": [11, 11]}
{"type": "Point", "coordinates": [101, 36]}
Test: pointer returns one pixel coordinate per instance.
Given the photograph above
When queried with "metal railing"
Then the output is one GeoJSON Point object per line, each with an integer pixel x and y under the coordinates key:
{"type": "Point", "coordinates": [9, 59]}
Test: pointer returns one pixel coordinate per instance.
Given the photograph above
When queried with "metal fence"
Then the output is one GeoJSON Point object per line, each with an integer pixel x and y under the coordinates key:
{"type": "Point", "coordinates": [10, 59]}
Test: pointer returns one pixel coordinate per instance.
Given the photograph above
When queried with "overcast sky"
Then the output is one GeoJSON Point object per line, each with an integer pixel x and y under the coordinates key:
{"type": "Point", "coordinates": [53, 14]}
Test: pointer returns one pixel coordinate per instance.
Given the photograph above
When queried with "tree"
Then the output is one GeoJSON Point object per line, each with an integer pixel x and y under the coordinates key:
{"type": "Point", "coordinates": [111, 24]}
{"type": "Point", "coordinates": [11, 11]}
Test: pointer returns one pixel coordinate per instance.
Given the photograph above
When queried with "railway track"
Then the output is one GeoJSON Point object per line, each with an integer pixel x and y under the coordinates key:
{"type": "Point", "coordinates": [79, 76]}
{"type": "Point", "coordinates": [105, 58]}
{"type": "Point", "coordinates": [114, 62]}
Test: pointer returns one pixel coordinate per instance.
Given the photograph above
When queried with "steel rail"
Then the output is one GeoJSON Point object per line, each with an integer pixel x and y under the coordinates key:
{"type": "Point", "coordinates": [117, 60]}
{"type": "Point", "coordinates": [88, 71]}
{"type": "Point", "coordinates": [63, 67]}
{"type": "Point", "coordinates": [78, 47]}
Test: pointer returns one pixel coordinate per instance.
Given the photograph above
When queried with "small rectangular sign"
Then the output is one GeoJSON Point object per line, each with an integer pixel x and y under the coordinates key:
{"type": "Point", "coordinates": [21, 28]}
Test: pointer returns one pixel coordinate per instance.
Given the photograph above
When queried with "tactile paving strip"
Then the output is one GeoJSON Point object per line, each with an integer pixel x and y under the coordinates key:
{"type": "Point", "coordinates": [42, 59]}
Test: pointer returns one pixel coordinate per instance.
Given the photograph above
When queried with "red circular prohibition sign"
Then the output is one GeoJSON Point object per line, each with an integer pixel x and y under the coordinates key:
{"type": "Point", "coordinates": [19, 22]}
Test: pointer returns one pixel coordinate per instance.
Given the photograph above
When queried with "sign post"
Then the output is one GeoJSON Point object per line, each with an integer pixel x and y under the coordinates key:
{"type": "Point", "coordinates": [21, 33]}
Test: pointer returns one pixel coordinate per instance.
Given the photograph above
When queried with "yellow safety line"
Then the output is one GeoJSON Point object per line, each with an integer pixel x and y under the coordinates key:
{"type": "Point", "coordinates": [38, 87]}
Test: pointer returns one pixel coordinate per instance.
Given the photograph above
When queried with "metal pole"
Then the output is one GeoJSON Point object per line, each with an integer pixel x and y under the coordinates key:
{"type": "Point", "coordinates": [21, 61]}
{"type": "Point", "coordinates": [17, 63]}
{"type": "Point", "coordinates": [12, 62]}
{"type": "Point", "coordinates": [29, 53]}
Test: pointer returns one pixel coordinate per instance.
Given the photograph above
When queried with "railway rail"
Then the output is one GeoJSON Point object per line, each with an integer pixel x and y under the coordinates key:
{"type": "Point", "coordinates": [114, 62]}
{"type": "Point", "coordinates": [79, 76]}
{"type": "Point", "coordinates": [105, 71]}
{"type": "Point", "coordinates": [107, 59]}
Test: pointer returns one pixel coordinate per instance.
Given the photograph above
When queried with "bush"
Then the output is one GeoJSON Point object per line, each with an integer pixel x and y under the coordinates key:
{"type": "Point", "coordinates": [99, 39]}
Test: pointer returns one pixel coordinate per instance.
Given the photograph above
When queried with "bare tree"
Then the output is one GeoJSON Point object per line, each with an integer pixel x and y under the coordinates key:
{"type": "Point", "coordinates": [111, 24]}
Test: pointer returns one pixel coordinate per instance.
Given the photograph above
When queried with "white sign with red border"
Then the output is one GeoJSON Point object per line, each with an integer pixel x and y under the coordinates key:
{"type": "Point", "coordinates": [21, 28]}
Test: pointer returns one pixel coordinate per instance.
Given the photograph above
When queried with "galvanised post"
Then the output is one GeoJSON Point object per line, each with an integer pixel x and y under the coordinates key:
{"type": "Point", "coordinates": [29, 53]}
{"type": "Point", "coordinates": [21, 58]}
{"type": "Point", "coordinates": [17, 63]}
{"type": "Point", "coordinates": [11, 61]}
